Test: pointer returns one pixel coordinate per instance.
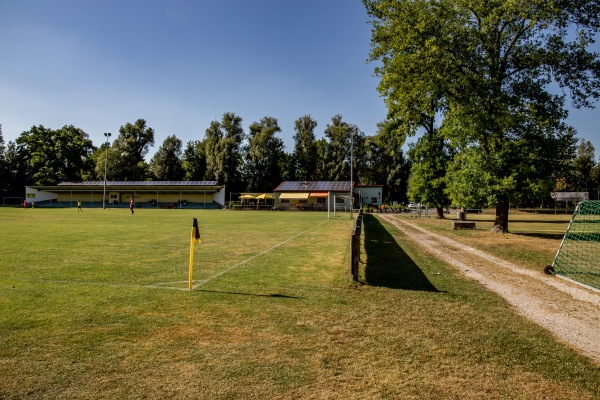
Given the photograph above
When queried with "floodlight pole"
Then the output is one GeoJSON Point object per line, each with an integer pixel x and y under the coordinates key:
{"type": "Point", "coordinates": [107, 135]}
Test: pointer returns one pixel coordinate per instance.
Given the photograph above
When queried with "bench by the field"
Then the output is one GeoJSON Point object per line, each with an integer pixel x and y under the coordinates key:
{"type": "Point", "coordinates": [462, 225]}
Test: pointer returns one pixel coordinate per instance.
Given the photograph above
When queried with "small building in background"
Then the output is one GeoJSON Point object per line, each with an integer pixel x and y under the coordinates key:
{"type": "Point", "coordinates": [369, 195]}
{"type": "Point", "coordinates": [313, 195]}
{"type": "Point", "coordinates": [316, 195]}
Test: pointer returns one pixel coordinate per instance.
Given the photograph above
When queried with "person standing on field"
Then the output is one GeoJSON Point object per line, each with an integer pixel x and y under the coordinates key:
{"type": "Point", "coordinates": [25, 204]}
{"type": "Point", "coordinates": [131, 205]}
{"type": "Point", "coordinates": [79, 206]}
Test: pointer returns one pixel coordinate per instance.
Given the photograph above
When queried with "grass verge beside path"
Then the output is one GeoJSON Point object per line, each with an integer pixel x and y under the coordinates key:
{"type": "Point", "coordinates": [532, 242]}
{"type": "Point", "coordinates": [80, 316]}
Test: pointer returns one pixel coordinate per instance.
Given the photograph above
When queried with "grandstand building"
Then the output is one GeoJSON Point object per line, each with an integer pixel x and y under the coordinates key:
{"type": "Point", "coordinates": [163, 194]}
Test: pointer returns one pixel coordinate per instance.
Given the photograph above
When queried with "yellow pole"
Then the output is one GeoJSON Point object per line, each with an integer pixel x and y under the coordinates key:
{"type": "Point", "coordinates": [192, 257]}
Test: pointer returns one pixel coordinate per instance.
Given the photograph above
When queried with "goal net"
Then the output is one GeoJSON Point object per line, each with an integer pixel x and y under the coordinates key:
{"type": "Point", "coordinates": [578, 257]}
{"type": "Point", "coordinates": [12, 201]}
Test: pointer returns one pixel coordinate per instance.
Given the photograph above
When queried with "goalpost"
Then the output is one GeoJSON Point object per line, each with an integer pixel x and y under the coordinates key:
{"type": "Point", "coordinates": [12, 201]}
{"type": "Point", "coordinates": [335, 197]}
{"type": "Point", "coordinates": [578, 257]}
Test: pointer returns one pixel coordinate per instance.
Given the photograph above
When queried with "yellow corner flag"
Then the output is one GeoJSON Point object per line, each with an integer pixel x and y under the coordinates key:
{"type": "Point", "coordinates": [194, 239]}
{"type": "Point", "coordinates": [195, 231]}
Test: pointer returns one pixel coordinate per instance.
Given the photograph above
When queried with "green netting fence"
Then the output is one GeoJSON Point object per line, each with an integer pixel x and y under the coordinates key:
{"type": "Point", "coordinates": [578, 257]}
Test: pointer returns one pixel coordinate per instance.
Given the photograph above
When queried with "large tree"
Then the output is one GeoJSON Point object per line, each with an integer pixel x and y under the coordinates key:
{"type": "Point", "coordinates": [429, 159]}
{"type": "Point", "coordinates": [194, 161]}
{"type": "Point", "coordinates": [223, 142]}
{"type": "Point", "coordinates": [304, 157]}
{"type": "Point", "coordinates": [56, 155]}
{"type": "Point", "coordinates": [264, 156]}
{"type": "Point", "coordinates": [103, 157]}
{"type": "Point", "coordinates": [596, 177]}
{"type": "Point", "coordinates": [129, 150]}
{"type": "Point", "coordinates": [2, 147]}
{"type": "Point", "coordinates": [166, 163]}
{"type": "Point", "coordinates": [3, 166]}
{"type": "Point", "coordinates": [584, 165]}
{"type": "Point", "coordinates": [321, 171]}
{"type": "Point", "coordinates": [386, 164]}
{"type": "Point", "coordinates": [17, 170]}
{"type": "Point", "coordinates": [341, 137]}
{"type": "Point", "coordinates": [491, 64]}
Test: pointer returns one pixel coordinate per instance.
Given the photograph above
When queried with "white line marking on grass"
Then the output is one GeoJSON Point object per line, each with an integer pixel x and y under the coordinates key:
{"type": "Point", "coordinates": [254, 256]}
{"type": "Point", "coordinates": [152, 286]}
{"type": "Point", "coordinates": [170, 283]}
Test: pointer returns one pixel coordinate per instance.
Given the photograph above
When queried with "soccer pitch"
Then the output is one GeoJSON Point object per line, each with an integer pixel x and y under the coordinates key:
{"type": "Point", "coordinates": [96, 305]}
{"type": "Point", "coordinates": [150, 249]}
{"type": "Point", "coordinates": [81, 289]}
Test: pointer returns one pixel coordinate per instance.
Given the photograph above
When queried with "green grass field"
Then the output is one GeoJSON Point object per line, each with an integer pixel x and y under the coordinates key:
{"type": "Point", "coordinates": [95, 305]}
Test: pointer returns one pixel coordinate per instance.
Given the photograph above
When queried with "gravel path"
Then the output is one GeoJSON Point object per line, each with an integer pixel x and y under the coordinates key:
{"type": "Point", "coordinates": [569, 311]}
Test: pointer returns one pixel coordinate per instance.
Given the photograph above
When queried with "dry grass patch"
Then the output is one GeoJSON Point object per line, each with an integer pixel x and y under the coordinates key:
{"type": "Point", "coordinates": [532, 242]}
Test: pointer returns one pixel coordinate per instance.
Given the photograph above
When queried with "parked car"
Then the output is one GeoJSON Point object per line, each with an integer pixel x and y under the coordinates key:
{"type": "Point", "coordinates": [413, 205]}
{"type": "Point", "coordinates": [473, 210]}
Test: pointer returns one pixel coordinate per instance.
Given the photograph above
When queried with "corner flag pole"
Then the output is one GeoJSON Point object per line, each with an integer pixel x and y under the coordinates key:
{"type": "Point", "coordinates": [195, 238]}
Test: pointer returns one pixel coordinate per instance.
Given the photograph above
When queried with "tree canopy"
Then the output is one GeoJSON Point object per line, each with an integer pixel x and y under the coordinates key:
{"type": "Point", "coordinates": [4, 184]}
{"type": "Point", "coordinates": [385, 163]}
{"type": "Point", "coordinates": [223, 141]}
{"type": "Point", "coordinates": [58, 155]}
{"type": "Point", "coordinates": [258, 163]}
{"type": "Point", "coordinates": [129, 149]}
{"type": "Point", "coordinates": [342, 138]}
{"type": "Point", "coordinates": [194, 161]}
{"type": "Point", "coordinates": [429, 160]}
{"type": "Point", "coordinates": [488, 66]}
{"type": "Point", "coordinates": [583, 163]}
{"type": "Point", "coordinates": [264, 155]}
{"type": "Point", "coordinates": [166, 163]}
{"type": "Point", "coordinates": [305, 149]}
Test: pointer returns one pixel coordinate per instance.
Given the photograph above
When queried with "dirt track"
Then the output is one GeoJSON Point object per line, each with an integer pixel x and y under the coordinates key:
{"type": "Point", "coordinates": [569, 311]}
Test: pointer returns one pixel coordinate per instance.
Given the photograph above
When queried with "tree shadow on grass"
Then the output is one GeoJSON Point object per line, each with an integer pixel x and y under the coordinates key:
{"type": "Point", "coordinates": [541, 235]}
{"type": "Point", "coordinates": [387, 264]}
{"type": "Point", "coordinates": [537, 221]}
{"type": "Point", "coordinates": [249, 294]}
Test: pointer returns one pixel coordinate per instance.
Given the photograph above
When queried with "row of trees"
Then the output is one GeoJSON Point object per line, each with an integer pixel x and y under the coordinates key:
{"type": "Point", "coordinates": [477, 76]}
{"type": "Point", "coordinates": [253, 161]}
{"type": "Point", "coordinates": [257, 162]}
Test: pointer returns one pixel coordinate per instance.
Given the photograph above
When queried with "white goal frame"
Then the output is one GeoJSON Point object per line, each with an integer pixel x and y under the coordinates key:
{"type": "Point", "coordinates": [12, 197]}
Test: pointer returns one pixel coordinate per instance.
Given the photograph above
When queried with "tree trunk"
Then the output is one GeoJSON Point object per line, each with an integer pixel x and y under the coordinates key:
{"type": "Point", "coordinates": [501, 222]}
{"type": "Point", "coordinates": [440, 213]}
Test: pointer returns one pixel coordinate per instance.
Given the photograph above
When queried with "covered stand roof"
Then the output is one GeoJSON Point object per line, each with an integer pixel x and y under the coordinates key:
{"type": "Point", "coordinates": [163, 186]}
{"type": "Point", "coordinates": [314, 186]}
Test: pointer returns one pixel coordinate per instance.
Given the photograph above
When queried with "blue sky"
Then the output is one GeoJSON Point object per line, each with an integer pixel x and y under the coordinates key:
{"type": "Point", "coordinates": [181, 64]}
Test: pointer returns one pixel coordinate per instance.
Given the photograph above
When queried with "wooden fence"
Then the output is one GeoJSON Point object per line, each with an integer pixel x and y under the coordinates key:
{"type": "Point", "coordinates": [355, 247]}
